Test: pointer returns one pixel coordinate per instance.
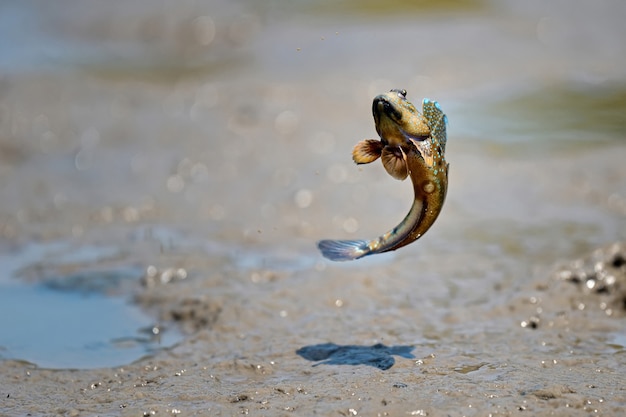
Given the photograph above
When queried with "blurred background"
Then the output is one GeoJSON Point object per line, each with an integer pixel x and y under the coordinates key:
{"type": "Point", "coordinates": [225, 128]}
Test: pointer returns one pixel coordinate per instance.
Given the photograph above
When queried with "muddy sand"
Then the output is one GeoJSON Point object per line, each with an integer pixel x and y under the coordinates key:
{"type": "Point", "coordinates": [200, 151]}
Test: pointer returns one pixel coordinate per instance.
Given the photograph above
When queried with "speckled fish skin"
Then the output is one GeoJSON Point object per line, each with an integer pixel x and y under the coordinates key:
{"type": "Point", "coordinates": [411, 144]}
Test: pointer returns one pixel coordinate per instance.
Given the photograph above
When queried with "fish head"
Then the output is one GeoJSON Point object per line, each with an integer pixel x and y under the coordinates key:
{"type": "Point", "coordinates": [397, 120]}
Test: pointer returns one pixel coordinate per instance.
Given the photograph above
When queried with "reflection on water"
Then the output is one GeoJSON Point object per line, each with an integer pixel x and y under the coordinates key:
{"type": "Point", "coordinates": [72, 321]}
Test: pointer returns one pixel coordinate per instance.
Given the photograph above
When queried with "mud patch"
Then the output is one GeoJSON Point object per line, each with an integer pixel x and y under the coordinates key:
{"type": "Point", "coordinates": [591, 288]}
{"type": "Point", "coordinates": [599, 279]}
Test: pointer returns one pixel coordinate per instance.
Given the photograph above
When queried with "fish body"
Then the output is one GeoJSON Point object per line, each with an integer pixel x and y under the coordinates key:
{"type": "Point", "coordinates": [411, 144]}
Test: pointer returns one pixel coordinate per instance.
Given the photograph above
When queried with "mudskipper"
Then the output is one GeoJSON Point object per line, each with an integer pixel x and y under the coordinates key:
{"type": "Point", "coordinates": [411, 144]}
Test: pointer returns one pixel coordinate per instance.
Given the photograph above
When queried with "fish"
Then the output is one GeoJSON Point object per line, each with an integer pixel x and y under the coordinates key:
{"type": "Point", "coordinates": [411, 144]}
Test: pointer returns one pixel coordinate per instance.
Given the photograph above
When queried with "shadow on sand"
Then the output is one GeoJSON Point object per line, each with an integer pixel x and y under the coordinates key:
{"type": "Point", "coordinates": [378, 355]}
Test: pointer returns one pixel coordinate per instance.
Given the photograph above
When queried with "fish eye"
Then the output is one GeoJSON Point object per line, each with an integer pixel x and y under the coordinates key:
{"type": "Point", "coordinates": [401, 93]}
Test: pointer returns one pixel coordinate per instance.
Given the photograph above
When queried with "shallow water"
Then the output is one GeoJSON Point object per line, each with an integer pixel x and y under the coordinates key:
{"type": "Point", "coordinates": [77, 320]}
{"type": "Point", "coordinates": [205, 148]}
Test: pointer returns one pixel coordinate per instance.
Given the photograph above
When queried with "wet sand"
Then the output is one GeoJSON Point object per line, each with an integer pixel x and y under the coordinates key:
{"type": "Point", "coordinates": [216, 176]}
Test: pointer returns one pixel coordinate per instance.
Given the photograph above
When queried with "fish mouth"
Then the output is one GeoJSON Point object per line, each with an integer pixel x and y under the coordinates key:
{"type": "Point", "coordinates": [385, 108]}
{"type": "Point", "coordinates": [382, 105]}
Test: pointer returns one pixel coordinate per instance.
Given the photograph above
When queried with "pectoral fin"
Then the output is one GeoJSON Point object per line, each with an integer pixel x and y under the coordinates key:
{"type": "Point", "coordinates": [394, 161]}
{"type": "Point", "coordinates": [367, 151]}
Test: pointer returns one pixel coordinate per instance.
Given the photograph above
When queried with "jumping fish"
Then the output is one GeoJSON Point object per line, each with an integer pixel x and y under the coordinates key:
{"type": "Point", "coordinates": [411, 144]}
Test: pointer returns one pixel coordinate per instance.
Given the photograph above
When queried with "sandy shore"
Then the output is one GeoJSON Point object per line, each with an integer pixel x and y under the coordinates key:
{"type": "Point", "coordinates": [279, 345]}
{"type": "Point", "coordinates": [210, 151]}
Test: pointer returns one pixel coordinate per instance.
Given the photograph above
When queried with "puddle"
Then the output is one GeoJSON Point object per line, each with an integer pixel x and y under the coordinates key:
{"type": "Point", "coordinates": [466, 369]}
{"type": "Point", "coordinates": [618, 342]}
{"type": "Point", "coordinates": [71, 320]}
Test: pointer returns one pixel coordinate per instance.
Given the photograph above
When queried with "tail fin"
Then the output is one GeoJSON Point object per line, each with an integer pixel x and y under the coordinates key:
{"type": "Point", "coordinates": [343, 250]}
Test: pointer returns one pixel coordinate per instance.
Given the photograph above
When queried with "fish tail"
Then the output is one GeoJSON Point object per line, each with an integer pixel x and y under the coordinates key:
{"type": "Point", "coordinates": [343, 250]}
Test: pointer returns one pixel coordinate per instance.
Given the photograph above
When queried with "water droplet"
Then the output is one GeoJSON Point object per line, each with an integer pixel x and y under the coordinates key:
{"type": "Point", "coordinates": [175, 183]}
{"type": "Point", "coordinates": [204, 30]}
{"type": "Point", "coordinates": [350, 225]}
{"type": "Point", "coordinates": [286, 122]}
{"type": "Point", "coordinates": [303, 198]}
